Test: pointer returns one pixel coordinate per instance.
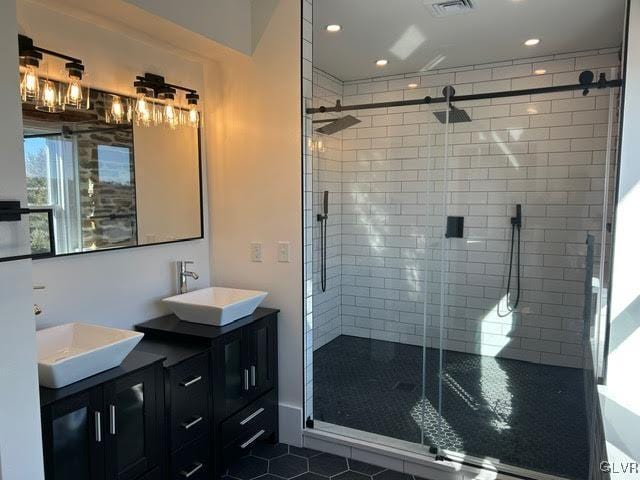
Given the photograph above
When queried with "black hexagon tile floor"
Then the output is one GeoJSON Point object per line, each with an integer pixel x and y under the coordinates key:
{"type": "Point", "coordinates": [285, 462]}
{"type": "Point", "coordinates": [519, 412]}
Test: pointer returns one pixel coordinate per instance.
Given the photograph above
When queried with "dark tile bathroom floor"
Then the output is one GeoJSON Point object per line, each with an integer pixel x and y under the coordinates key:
{"type": "Point", "coordinates": [281, 461]}
{"type": "Point", "coordinates": [524, 414]}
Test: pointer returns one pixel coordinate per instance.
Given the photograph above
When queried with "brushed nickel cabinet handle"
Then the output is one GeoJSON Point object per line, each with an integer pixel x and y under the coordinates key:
{"type": "Point", "coordinates": [192, 423]}
{"type": "Point", "coordinates": [246, 379]}
{"type": "Point", "coordinates": [112, 419]}
{"type": "Point", "coordinates": [97, 417]}
{"type": "Point", "coordinates": [252, 416]}
{"type": "Point", "coordinates": [188, 383]}
{"type": "Point", "coordinates": [196, 467]}
{"type": "Point", "coordinates": [252, 439]}
{"type": "Point", "coordinates": [253, 375]}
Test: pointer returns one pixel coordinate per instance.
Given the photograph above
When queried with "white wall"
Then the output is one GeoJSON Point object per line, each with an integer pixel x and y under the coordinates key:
{"type": "Point", "coordinates": [117, 288]}
{"type": "Point", "coordinates": [620, 397]}
{"type": "Point", "coordinates": [224, 21]}
{"type": "Point", "coordinates": [256, 190]}
{"type": "Point", "coordinates": [20, 452]}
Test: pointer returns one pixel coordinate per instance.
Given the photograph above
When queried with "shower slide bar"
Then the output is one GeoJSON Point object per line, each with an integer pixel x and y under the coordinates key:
{"type": "Point", "coordinates": [585, 84]}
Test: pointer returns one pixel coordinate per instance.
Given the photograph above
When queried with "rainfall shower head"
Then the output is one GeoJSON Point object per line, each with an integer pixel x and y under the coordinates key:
{"type": "Point", "coordinates": [455, 115]}
{"type": "Point", "coordinates": [336, 125]}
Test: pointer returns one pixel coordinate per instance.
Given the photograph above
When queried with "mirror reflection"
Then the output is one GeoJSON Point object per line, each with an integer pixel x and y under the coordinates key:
{"type": "Point", "coordinates": [109, 185]}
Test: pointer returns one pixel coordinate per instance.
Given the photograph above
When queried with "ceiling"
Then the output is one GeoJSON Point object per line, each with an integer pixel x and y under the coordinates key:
{"type": "Point", "coordinates": [412, 39]}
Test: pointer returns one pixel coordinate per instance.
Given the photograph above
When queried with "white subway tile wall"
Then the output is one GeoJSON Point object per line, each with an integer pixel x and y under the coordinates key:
{"type": "Point", "coordinates": [386, 177]}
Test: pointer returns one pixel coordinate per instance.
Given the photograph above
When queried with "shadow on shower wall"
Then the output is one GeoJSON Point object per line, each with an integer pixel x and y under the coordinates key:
{"type": "Point", "coordinates": [546, 153]}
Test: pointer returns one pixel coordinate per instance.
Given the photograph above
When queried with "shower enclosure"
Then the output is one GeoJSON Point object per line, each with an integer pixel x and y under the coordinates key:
{"type": "Point", "coordinates": [459, 297]}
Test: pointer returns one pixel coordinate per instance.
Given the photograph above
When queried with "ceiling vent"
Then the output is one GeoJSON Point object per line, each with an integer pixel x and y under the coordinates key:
{"type": "Point", "coordinates": [449, 7]}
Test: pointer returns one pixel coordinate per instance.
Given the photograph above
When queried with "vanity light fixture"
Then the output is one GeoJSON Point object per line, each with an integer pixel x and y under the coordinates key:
{"type": "Point", "coordinates": [334, 27]}
{"type": "Point", "coordinates": [152, 91]}
{"type": "Point", "coordinates": [532, 42]}
{"type": "Point", "coordinates": [46, 93]}
{"type": "Point", "coordinates": [382, 62]}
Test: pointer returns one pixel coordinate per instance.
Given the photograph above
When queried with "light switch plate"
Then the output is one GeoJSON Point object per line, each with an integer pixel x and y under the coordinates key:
{"type": "Point", "coordinates": [284, 252]}
{"type": "Point", "coordinates": [256, 252]}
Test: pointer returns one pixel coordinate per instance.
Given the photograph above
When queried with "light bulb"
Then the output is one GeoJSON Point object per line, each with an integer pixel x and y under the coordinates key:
{"type": "Point", "coordinates": [170, 115]}
{"type": "Point", "coordinates": [50, 99]}
{"type": "Point", "coordinates": [194, 117]}
{"type": "Point", "coordinates": [143, 111]}
{"type": "Point", "coordinates": [74, 93]}
{"type": "Point", "coordinates": [29, 85]}
{"type": "Point", "coordinates": [117, 109]}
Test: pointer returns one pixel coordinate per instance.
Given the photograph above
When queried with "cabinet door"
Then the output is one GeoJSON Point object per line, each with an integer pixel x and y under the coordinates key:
{"type": "Point", "coordinates": [72, 437]}
{"type": "Point", "coordinates": [231, 374]}
{"type": "Point", "coordinates": [261, 344]}
{"type": "Point", "coordinates": [132, 427]}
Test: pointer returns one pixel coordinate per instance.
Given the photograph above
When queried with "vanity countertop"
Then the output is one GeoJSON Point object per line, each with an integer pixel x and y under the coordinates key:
{"type": "Point", "coordinates": [136, 360]}
{"type": "Point", "coordinates": [171, 327]}
{"type": "Point", "coordinates": [173, 351]}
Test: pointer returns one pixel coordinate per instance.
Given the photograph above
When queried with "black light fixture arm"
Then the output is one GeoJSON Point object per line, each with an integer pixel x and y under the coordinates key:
{"type": "Point", "coordinates": [25, 44]}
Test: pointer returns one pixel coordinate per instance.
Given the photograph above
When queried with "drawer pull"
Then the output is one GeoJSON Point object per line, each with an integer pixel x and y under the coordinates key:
{"type": "Point", "coordinates": [196, 467]}
{"type": "Point", "coordinates": [252, 416]}
{"type": "Point", "coordinates": [188, 383]}
{"type": "Point", "coordinates": [252, 439]}
{"type": "Point", "coordinates": [192, 423]}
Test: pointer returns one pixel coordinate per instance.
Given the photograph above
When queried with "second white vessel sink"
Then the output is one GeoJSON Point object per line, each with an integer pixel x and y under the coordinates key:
{"type": "Point", "coordinates": [215, 305]}
{"type": "Point", "coordinates": [73, 351]}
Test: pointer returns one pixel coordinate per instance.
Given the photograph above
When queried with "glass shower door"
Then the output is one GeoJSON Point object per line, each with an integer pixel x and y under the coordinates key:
{"type": "Point", "coordinates": [516, 195]}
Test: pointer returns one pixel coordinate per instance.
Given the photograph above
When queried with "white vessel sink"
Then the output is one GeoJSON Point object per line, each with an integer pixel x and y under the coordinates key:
{"type": "Point", "coordinates": [73, 351]}
{"type": "Point", "coordinates": [215, 305]}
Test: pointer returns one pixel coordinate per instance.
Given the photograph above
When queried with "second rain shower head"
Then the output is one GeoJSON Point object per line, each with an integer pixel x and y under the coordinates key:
{"type": "Point", "coordinates": [337, 125]}
{"type": "Point", "coordinates": [455, 115]}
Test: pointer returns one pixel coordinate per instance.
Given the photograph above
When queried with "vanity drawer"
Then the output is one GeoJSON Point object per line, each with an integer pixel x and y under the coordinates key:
{"type": "Point", "coordinates": [190, 424]}
{"type": "Point", "coordinates": [192, 462]}
{"type": "Point", "coordinates": [260, 415]}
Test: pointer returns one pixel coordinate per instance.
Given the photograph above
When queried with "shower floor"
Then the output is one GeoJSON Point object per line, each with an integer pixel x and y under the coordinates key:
{"type": "Point", "coordinates": [523, 414]}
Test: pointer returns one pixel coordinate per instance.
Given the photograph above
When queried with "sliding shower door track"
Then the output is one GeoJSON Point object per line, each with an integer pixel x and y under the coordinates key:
{"type": "Point", "coordinates": [408, 457]}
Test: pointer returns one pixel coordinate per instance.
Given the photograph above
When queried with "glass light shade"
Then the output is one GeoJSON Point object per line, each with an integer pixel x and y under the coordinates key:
{"type": "Point", "coordinates": [170, 115]}
{"type": "Point", "coordinates": [30, 84]}
{"type": "Point", "coordinates": [74, 93]}
{"type": "Point", "coordinates": [117, 110]}
{"type": "Point", "coordinates": [144, 111]}
{"type": "Point", "coordinates": [50, 99]}
{"type": "Point", "coordinates": [193, 117]}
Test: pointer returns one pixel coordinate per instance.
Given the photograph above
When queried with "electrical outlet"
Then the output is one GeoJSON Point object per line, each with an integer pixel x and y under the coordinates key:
{"type": "Point", "coordinates": [256, 252]}
{"type": "Point", "coordinates": [284, 249]}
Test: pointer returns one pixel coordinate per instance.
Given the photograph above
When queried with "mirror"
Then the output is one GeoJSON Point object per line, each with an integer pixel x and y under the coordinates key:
{"type": "Point", "coordinates": [109, 185]}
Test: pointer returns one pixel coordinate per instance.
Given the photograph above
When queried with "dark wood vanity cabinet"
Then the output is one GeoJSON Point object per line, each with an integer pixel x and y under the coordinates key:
{"type": "Point", "coordinates": [230, 369]}
{"type": "Point", "coordinates": [106, 427]}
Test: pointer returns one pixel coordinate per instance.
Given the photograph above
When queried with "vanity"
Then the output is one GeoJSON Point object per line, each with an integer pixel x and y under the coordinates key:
{"type": "Point", "coordinates": [187, 401]}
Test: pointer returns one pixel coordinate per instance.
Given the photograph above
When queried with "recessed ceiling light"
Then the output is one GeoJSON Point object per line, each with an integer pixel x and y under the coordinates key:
{"type": "Point", "coordinates": [334, 27]}
{"type": "Point", "coordinates": [382, 62]}
{"type": "Point", "coordinates": [413, 85]}
{"type": "Point", "coordinates": [532, 42]}
{"type": "Point", "coordinates": [540, 71]}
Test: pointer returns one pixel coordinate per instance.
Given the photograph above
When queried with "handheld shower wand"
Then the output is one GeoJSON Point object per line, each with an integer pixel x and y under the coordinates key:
{"type": "Point", "coordinates": [516, 225]}
{"type": "Point", "coordinates": [322, 218]}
